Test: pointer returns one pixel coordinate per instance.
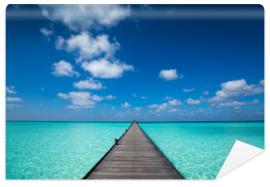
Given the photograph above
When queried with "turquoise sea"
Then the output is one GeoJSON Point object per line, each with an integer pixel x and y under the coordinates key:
{"type": "Point", "coordinates": [57, 150]}
{"type": "Point", "coordinates": [67, 150]}
{"type": "Point", "coordinates": [198, 150]}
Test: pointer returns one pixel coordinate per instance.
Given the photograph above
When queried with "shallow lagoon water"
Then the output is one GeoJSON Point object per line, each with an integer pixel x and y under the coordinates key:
{"type": "Point", "coordinates": [198, 150]}
{"type": "Point", "coordinates": [67, 150]}
{"type": "Point", "coordinates": [57, 150]}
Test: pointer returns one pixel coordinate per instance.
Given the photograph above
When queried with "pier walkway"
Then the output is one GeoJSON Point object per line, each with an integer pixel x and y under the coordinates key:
{"type": "Point", "coordinates": [134, 156]}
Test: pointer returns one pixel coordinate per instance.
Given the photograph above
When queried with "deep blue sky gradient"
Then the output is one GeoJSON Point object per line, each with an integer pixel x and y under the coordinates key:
{"type": "Point", "coordinates": [207, 52]}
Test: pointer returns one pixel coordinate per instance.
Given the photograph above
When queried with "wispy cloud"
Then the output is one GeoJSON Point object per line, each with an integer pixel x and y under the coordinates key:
{"type": "Point", "coordinates": [110, 97]}
{"type": "Point", "coordinates": [193, 101]}
{"type": "Point", "coordinates": [89, 83]}
{"type": "Point", "coordinates": [10, 90]}
{"type": "Point", "coordinates": [46, 32]}
{"type": "Point", "coordinates": [205, 93]}
{"type": "Point", "coordinates": [187, 90]}
{"type": "Point", "coordinates": [12, 101]}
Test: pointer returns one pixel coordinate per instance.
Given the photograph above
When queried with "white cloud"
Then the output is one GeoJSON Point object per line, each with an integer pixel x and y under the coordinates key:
{"type": "Point", "coordinates": [46, 32]}
{"type": "Point", "coordinates": [167, 98]}
{"type": "Point", "coordinates": [174, 102]}
{"type": "Point", "coordinates": [80, 99]}
{"type": "Point", "coordinates": [168, 74]}
{"type": "Point", "coordinates": [63, 68]}
{"type": "Point", "coordinates": [88, 46]}
{"type": "Point", "coordinates": [162, 106]}
{"type": "Point", "coordinates": [10, 90]}
{"type": "Point", "coordinates": [125, 105]}
{"type": "Point", "coordinates": [166, 105]}
{"type": "Point", "coordinates": [83, 17]}
{"type": "Point", "coordinates": [232, 104]}
{"type": "Point", "coordinates": [143, 97]}
{"type": "Point", "coordinates": [89, 83]}
{"type": "Point", "coordinates": [12, 105]}
{"type": "Point", "coordinates": [102, 68]}
{"type": "Point", "coordinates": [238, 104]}
{"type": "Point", "coordinates": [193, 101]}
{"type": "Point", "coordinates": [14, 99]}
{"type": "Point", "coordinates": [110, 97]}
{"type": "Point", "coordinates": [97, 98]}
{"type": "Point", "coordinates": [187, 90]}
{"type": "Point", "coordinates": [236, 88]}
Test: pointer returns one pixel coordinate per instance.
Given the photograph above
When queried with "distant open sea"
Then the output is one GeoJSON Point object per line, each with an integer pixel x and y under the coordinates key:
{"type": "Point", "coordinates": [67, 150]}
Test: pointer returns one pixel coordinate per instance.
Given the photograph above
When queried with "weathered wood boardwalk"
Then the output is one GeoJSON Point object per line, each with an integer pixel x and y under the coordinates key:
{"type": "Point", "coordinates": [133, 157]}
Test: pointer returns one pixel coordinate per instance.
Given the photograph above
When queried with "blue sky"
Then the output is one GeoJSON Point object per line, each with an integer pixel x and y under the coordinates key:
{"type": "Point", "coordinates": [144, 62]}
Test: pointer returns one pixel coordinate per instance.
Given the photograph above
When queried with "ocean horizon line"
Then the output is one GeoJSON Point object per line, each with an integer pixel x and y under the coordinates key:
{"type": "Point", "coordinates": [213, 121]}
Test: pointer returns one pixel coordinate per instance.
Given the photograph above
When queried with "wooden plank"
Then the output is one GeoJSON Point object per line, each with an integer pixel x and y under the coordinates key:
{"type": "Point", "coordinates": [133, 157]}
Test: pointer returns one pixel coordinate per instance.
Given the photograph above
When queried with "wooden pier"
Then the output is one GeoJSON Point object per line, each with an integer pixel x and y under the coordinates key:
{"type": "Point", "coordinates": [134, 156]}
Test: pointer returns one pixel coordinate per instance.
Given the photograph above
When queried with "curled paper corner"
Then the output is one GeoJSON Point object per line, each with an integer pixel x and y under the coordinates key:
{"type": "Point", "coordinates": [240, 153]}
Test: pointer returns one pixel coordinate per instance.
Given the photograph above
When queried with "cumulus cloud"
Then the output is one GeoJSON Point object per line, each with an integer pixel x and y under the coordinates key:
{"type": "Point", "coordinates": [126, 105]}
{"type": "Point", "coordinates": [80, 99]}
{"type": "Point", "coordinates": [236, 88]}
{"type": "Point", "coordinates": [193, 101]}
{"type": "Point", "coordinates": [187, 90]}
{"type": "Point", "coordinates": [170, 104]}
{"type": "Point", "coordinates": [168, 74]}
{"type": "Point", "coordinates": [159, 107]}
{"type": "Point", "coordinates": [83, 17]}
{"type": "Point", "coordinates": [103, 68]}
{"type": "Point", "coordinates": [63, 68]}
{"type": "Point", "coordinates": [46, 32]}
{"type": "Point", "coordinates": [88, 46]}
{"type": "Point", "coordinates": [89, 83]}
{"type": "Point", "coordinates": [174, 102]}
